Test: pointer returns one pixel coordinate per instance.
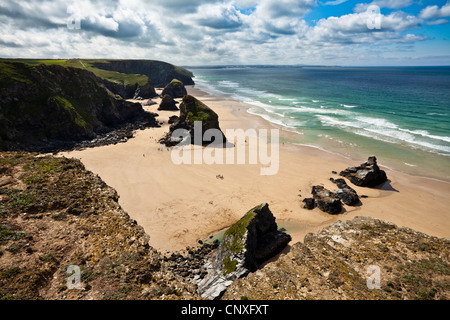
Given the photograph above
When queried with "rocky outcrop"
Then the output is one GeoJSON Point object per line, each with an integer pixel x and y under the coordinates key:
{"type": "Point", "coordinates": [175, 89]}
{"type": "Point", "coordinates": [49, 108]}
{"type": "Point", "coordinates": [367, 174]}
{"type": "Point", "coordinates": [252, 240]}
{"type": "Point", "coordinates": [326, 200]}
{"type": "Point", "coordinates": [345, 193]}
{"type": "Point", "coordinates": [364, 258]}
{"type": "Point", "coordinates": [195, 118]}
{"type": "Point", "coordinates": [168, 103]}
{"type": "Point", "coordinates": [133, 91]}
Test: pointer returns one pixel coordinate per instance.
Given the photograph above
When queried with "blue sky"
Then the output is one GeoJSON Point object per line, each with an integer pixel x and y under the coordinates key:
{"type": "Point", "coordinates": [202, 32]}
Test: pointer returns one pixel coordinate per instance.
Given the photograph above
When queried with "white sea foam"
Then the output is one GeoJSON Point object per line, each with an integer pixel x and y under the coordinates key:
{"type": "Point", "coordinates": [425, 133]}
{"type": "Point", "coordinates": [348, 106]}
{"type": "Point", "coordinates": [437, 114]}
{"type": "Point", "coordinates": [384, 130]}
{"type": "Point", "coordinates": [228, 84]}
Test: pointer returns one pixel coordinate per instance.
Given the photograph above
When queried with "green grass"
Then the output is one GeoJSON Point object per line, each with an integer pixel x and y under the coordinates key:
{"type": "Point", "coordinates": [10, 72]}
{"type": "Point", "coordinates": [79, 121]}
{"type": "Point", "coordinates": [113, 76]}
{"type": "Point", "coordinates": [8, 234]}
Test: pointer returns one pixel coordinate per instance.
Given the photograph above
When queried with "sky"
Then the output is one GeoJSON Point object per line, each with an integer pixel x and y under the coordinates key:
{"type": "Point", "coordinates": [236, 32]}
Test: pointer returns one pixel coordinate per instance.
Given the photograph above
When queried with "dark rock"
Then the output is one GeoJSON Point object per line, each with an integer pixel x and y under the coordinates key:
{"type": "Point", "coordinates": [172, 119]}
{"type": "Point", "coordinates": [309, 203]}
{"type": "Point", "coordinates": [367, 174]}
{"type": "Point", "coordinates": [167, 103]}
{"type": "Point", "coordinates": [175, 89]}
{"type": "Point", "coordinates": [326, 200]}
{"type": "Point", "coordinates": [131, 91]}
{"type": "Point", "coordinates": [149, 102]}
{"type": "Point", "coordinates": [196, 118]}
{"type": "Point", "coordinates": [252, 240]}
{"type": "Point", "coordinates": [345, 192]}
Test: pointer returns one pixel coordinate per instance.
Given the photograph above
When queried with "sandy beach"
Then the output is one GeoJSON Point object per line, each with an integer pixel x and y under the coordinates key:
{"type": "Point", "coordinates": [178, 205]}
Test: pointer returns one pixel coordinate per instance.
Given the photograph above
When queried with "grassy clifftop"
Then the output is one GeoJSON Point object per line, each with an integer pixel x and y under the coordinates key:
{"type": "Point", "coordinates": [126, 72]}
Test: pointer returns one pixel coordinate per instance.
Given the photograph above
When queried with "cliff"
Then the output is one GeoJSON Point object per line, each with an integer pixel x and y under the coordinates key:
{"type": "Point", "coordinates": [51, 107]}
{"type": "Point", "coordinates": [159, 73]}
{"type": "Point", "coordinates": [54, 214]}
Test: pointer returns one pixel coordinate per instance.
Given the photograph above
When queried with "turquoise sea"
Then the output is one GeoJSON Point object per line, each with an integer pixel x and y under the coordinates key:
{"type": "Point", "coordinates": [399, 114]}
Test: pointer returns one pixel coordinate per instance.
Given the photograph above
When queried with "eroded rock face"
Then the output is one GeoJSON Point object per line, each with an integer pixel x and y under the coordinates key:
{"type": "Point", "coordinates": [249, 242]}
{"type": "Point", "coordinates": [368, 174]}
{"type": "Point", "coordinates": [343, 261]}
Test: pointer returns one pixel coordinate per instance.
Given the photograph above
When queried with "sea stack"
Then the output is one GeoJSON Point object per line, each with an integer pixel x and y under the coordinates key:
{"type": "Point", "coordinates": [168, 103]}
{"type": "Point", "coordinates": [255, 238]}
{"type": "Point", "coordinates": [195, 115]}
{"type": "Point", "coordinates": [175, 89]}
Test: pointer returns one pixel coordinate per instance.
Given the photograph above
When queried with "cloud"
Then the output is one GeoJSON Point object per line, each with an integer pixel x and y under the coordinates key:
{"type": "Point", "coordinates": [273, 9]}
{"type": "Point", "coordinates": [432, 12]}
{"type": "Point", "coordinates": [437, 22]}
{"type": "Point", "coordinates": [353, 29]}
{"type": "Point", "coordinates": [333, 3]}
{"type": "Point", "coordinates": [205, 31]}
{"type": "Point", "coordinates": [218, 16]}
{"type": "Point", "coordinates": [390, 4]}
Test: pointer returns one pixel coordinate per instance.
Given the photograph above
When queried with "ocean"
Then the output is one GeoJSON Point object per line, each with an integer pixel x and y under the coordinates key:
{"type": "Point", "coordinates": [399, 114]}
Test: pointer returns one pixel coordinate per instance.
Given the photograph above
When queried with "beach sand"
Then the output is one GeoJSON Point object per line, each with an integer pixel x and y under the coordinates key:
{"type": "Point", "coordinates": [178, 205]}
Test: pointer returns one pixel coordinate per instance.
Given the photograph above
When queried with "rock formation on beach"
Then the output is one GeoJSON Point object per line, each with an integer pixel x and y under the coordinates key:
{"type": "Point", "coordinates": [175, 89]}
{"type": "Point", "coordinates": [252, 240]}
{"type": "Point", "coordinates": [326, 200]}
{"type": "Point", "coordinates": [368, 174]}
{"type": "Point", "coordinates": [193, 110]}
{"type": "Point", "coordinates": [345, 193]}
{"type": "Point", "coordinates": [168, 103]}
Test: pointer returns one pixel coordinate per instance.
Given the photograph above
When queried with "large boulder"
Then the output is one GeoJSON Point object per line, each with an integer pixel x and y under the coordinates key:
{"type": "Point", "coordinates": [167, 103]}
{"type": "Point", "coordinates": [345, 193]}
{"type": "Point", "coordinates": [252, 240]}
{"type": "Point", "coordinates": [367, 174]}
{"type": "Point", "coordinates": [175, 89]}
{"type": "Point", "coordinates": [196, 118]}
{"type": "Point", "coordinates": [326, 200]}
